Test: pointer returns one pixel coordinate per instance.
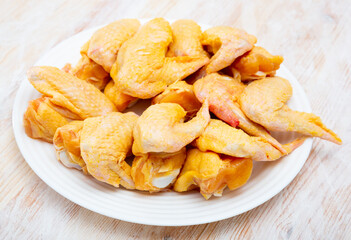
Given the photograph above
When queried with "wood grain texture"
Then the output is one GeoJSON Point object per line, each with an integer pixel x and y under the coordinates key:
{"type": "Point", "coordinates": [313, 37]}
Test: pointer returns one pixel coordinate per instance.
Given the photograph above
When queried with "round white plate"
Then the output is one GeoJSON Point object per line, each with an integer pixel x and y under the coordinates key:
{"type": "Point", "coordinates": [164, 209]}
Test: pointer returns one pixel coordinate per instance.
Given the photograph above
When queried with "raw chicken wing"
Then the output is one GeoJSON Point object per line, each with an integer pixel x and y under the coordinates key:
{"type": "Point", "coordinates": [88, 70]}
{"type": "Point", "coordinates": [226, 43]}
{"type": "Point", "coordinates": [222, 93]}
{"type": "Point", "coordinates": [142, 69]}
{"type": "Point", "coordinates": [155, 172]}
{"type": "Point", "coordinates": [104, 143]}
{"type": "Point", "coordinates": [161, 128]}
{"type": "Point", "coordinates": [100, 52]}
{"type": "Point", "coordinates": [121, 100]}
{"type": "Point", "coordinates": [263, 101]}
{"type": "Point", "coordinates": [212, 173]}
{"type": "Point", "coordinates": [71, 97]}
{"type": "Point", "coordinates": [219, 137]}
{"type": "Point", "coordinates": [41, 120]}
{"type": "Point", "coordinates": [67, 145]}
{"type": "Point", "coordinates": [257, 63]}
{"type": "Point", "coordinates": [105, 43]}
{"type": "Point", "coordinates": [181, 93]}
{"type": "Point", "coordinates": [187, 36]}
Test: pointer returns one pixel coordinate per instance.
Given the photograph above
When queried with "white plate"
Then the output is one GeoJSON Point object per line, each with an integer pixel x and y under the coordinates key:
{"type": "Point", "coordinates": [164, 209]}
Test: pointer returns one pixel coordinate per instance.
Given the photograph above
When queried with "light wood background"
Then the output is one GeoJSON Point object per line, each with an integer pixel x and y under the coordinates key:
{"type": "Point", "coordinates": [313, 36]}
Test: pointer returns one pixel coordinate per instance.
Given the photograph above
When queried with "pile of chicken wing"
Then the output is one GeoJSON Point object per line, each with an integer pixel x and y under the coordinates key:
{"type": "Point", "coordinates": [176, 144]}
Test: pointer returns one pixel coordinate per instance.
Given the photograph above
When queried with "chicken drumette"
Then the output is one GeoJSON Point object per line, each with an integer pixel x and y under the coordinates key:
{"type": "Point", "coordinates": [156, 172]}
{"type": "Point", "coordinates": [212, 173]}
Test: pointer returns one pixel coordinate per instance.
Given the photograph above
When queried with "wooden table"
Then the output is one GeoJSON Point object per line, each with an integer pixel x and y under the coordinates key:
{"type": "Point", "coordinates": [313, 37]}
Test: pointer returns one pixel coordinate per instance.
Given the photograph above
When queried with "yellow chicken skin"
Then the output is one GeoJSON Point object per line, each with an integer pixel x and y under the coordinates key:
{"type": "Point", "coordinates": [257, 63]}
{"type": "Point", "coordinates": [142, 69]}
{"type": "Point", "coordinates": [72, 97]}
{"type": "Point", "coordinates": [161, 128]}
{"type": "Point", "coordinates": [219, 137]}
{"type": "Point", "coordinates": [212, 173]}
{"type": "Point", "coordinates": [41, 121]}
{"type": "Point", "coordinates": [100, 52]}
{"type": "Point", "coordinates": [87, 70]}
{"type": "Point", "coordinates": [226, 43]}
{"type": "Point", "coordinates": [181, 93]}
{"type": "Point", "coordinates": [121, 100]}
{"type": "Point", "coordinates": [263, 101]}
{"type": "Point", "coordinates": [105, 43]}
{"type": "Point", "coordinates": [187, 36]}
{"type": "Point", "coordinates": [222, 93]}
{"type": "Point", "coordinates": [67, 145]}
{"type": "Point", "coordinates": [156, 172]}
{"type": "Point", "coordinates": [104, 143]}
